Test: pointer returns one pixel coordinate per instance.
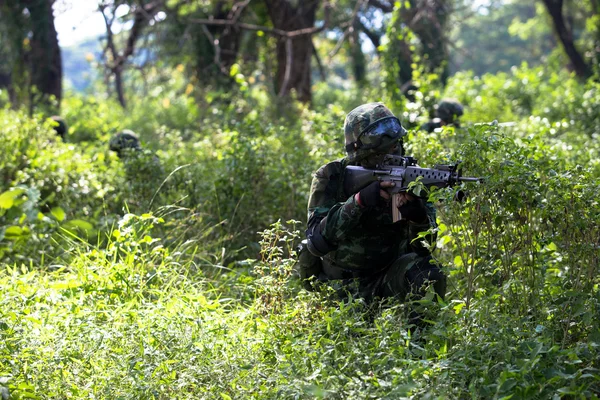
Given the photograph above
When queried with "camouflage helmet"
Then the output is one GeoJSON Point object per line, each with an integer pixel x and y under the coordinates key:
{"type": "Point", "coordinates": [370, 129]}
{"type": "Point", "coordinates": [126, 139]}
{"type": "Point", "coordinates": [60, 126]}
{"type": "Point", "coordinates": [449, 110]}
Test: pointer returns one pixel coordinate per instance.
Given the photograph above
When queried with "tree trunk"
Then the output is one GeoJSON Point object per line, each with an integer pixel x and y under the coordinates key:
{"type": "Point", "coordinates": [427, 19]}
{"type": "Point", "coordinates": [6, 83]}
{"type": "Point", "coordinates": [359, 63]}
{"type": "Point", "coordinates": [293, 54]}
{"type": "Point", "coordinates": [118, 73]}
{"type": "Point", "coordinates": [45, 59]}
{"type": "Point", "coordinates": [405, 61]}
{"type": "Point", "coordinates": [555, 10]}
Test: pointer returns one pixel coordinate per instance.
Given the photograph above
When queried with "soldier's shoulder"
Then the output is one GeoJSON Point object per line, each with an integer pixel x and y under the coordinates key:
{"type": "Point", "coordinates": [431, 125]}
{"type": "Point", "coordinates": [331, 169]}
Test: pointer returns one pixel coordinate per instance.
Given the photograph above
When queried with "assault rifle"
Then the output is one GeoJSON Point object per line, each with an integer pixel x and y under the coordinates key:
{"type": "Point", "coordinates": [403, 171]}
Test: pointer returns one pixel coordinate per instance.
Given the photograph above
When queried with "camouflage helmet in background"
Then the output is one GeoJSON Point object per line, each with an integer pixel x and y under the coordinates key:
{"type": "Point", "coordinates": [126, 139]}
{"type": "Point", "coordinates": [60, 126]}
{"type": "Point", "coordinates": [370, 129]}
{"type": "Point", "coordinates": [449, 110]}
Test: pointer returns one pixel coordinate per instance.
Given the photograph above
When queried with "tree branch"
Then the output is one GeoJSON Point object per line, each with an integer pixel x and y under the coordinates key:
{"type": "Point", "coordinates": [273, 31]}
{"type": "Point", "coordinates": [350, 28]}
{"type": "Point", "coordinates": [373, 37]}
{"type": "Point", "coordinates": [141, 15]}
{"type": "Point", "coordinates": [382, 5]}
{"type": "Point", "coordinates": [288, 66]}
{"type": "Point", "coordinates": [215, 43]}
{"type": "Point", "coordinates": [236, 13]}
{"type": "Point", "coordinates": [319, 63]}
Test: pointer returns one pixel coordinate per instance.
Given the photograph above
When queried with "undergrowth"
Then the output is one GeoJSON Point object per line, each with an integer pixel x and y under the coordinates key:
{"type": "Point", "coordinates": [172, 276]}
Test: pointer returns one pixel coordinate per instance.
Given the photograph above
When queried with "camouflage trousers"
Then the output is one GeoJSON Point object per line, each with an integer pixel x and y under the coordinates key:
{"type": "Point", "coordinates": [410, 274]}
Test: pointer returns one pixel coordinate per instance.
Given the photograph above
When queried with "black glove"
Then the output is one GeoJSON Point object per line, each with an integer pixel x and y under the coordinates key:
{"type": "Point", "coordinates": [414, 211]}
{"type": "Point", "coordinates": [369, 196]}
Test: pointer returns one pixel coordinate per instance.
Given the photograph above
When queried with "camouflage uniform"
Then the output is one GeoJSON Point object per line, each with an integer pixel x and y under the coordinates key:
{"type": "Point", "coordinates": [126, 144]}
{"type": "Point", "coordinates": [367, 248]}
{"type": "Point", "coordinates": [143, 169]}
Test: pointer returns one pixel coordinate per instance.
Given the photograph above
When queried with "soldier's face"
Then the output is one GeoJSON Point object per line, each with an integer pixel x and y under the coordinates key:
{"type": "Point", "coordinates": [374, 160]}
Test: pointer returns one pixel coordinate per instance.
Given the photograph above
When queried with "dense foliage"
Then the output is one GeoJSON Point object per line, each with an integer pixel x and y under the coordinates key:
{"type": "Point", "coordinates": [146, 277]}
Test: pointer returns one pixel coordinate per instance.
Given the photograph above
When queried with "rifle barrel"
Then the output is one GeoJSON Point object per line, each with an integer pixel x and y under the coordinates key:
{"type": "Point", "coordinates": [469, 179]}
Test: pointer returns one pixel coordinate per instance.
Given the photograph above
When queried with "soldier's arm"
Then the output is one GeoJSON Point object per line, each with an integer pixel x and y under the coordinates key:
{"type": "Point", "coordinates": [329, 220]}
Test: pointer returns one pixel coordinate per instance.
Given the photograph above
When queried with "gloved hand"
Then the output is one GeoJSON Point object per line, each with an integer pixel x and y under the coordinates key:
{"type": "Point", "coordinates": [413, 209]}
{"type": "Point", "coordinates": [371, 195]}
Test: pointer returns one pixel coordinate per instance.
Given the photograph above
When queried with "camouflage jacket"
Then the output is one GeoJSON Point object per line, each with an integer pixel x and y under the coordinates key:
{"type": "Point", "coordinates": [364, 238]}
{"type": "Point", "coordinates": [431, 125]}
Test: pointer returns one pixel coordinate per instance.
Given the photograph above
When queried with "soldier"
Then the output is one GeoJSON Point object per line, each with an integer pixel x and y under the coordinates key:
{"type": "Point", "coordinates": [124, 141]}
{"type": "Point", "coordinates": [60, 126]}
{"type": "Point", "coordinates": [143, 169]}
{"type": "Point", "coordinates": [447, 112]}
{"type": "Point", "coordinates": [352, 238]}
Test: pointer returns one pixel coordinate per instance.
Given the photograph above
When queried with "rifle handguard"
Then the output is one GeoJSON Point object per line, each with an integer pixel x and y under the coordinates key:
{"type": "Point", "coordinates": [402, 171]}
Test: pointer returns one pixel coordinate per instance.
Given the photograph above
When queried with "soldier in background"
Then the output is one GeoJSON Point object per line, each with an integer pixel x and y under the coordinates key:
{"type": "Point", "coordinates": [447, 112]}
{"type": "Point", "coordinates": [143, 170]}
{"type": "Point", "coordinates": [125, 142]}
{"type": "Point", "coordinates": [60, 126]}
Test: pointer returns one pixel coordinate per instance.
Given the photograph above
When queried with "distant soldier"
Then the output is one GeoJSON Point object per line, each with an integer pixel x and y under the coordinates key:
{"type": "Point", "coordinates": [447, 112]}
{"type": "Point", "coordinates": [60, 126]}
{"type": "Point", "coordinates": [124, 141]}
{"type": "Point", "coordinates": [127, 143]}
{"type": "Point", "coordinates": [143, 169]}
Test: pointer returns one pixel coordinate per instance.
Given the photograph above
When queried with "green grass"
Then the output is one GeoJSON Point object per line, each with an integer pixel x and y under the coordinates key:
{"type": "Point", "coordinates": [141, 323]}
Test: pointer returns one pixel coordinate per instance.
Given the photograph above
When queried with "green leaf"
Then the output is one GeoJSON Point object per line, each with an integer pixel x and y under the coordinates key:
{"type": "Point", "coordinates": [459, 307]}
{"type": "Point", "coordinates": [566, 390]}
{"type": "Point", "coordinates": [13, 232]}
{"type": "Point", "coordinates": [316, 391]}
{"type": "Point", "coordinates": [58, 213]}
{"type": "Point", "coordinates": [235, 69]}
{"type": "Point", "coordinates": [458, 261]}
{"type": "Point", "coordinates": [444, 240]}
{"type": "Point", "coordinates": [7, 199]}
{"type": "Point", "coordinates": [78, 224]}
